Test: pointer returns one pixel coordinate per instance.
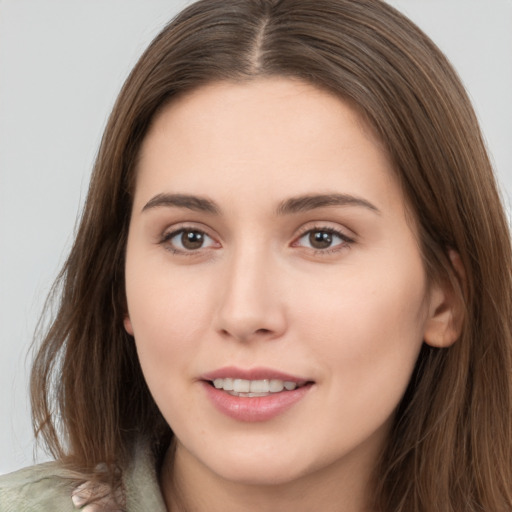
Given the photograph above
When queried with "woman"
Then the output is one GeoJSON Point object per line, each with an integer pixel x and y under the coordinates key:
{"type": "Point", "coordinates": [290, 288]}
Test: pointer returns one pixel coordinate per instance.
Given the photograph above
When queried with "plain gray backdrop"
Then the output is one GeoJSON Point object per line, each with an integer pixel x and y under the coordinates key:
{"type": "Point", "coordinates": [62, 63]}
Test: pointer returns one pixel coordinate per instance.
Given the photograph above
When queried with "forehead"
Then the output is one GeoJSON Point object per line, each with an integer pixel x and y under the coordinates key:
{"type": "Point", "coordinates": [224, 104]}
{"type": "Point", "coordinates": [273, 135]}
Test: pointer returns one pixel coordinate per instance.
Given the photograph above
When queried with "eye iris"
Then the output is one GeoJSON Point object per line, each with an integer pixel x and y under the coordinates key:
{"type": "Point", "coordinates": [320, 239]}
{"type": "Point", "coordinates": [192, 239]}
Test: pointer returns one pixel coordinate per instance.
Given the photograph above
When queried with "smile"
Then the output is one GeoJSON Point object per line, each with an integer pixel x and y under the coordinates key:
{"type": "Point", "coordinates": [253, 388]}
{"type": "Point", "coordinates": [254, 395]}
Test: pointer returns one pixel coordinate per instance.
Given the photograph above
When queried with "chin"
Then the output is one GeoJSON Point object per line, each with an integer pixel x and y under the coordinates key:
{"type": "Point", "coordinates": [249, 463]}
{"type": "Point", "coordinates": [258, 466]}
{"type": "Point", "coordinates": [258, 475]}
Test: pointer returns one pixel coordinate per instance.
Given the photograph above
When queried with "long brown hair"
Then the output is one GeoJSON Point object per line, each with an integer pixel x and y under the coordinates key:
{"type": "Point", "coordinates": [450, 449]}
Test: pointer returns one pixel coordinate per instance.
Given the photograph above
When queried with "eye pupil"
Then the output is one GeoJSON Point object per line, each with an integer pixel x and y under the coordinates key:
{"type": "Point", "coordinates": [320, 239]}
{"type": "Point", "coordinates": [192, 239]}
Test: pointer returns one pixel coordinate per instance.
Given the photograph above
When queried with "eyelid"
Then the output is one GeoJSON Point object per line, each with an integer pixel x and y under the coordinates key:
{"type": "Point", "coordinates": [347, 240]}
{"type": "Point", "coordinates": [171, 231]}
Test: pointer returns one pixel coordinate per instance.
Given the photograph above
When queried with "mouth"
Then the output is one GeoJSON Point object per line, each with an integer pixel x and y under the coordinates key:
{"type": "Point", "coordinates": [255, 388]}
{"type": "Point", "coordinates": [254, 395]}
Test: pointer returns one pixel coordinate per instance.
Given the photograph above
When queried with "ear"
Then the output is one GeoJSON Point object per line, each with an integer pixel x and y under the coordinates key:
{"type": "Point", "coordinates": [128, 324]}
{"type": "Point", "coordinates": [446, 309]}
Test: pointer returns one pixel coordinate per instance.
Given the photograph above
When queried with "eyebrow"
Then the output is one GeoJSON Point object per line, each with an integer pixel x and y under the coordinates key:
{"type": "Point", "coordinates": [289, 206]}
{"type": "Point", "coordinates": [313, 201]}
{"type": "Point", "coordinates": [194, 203]}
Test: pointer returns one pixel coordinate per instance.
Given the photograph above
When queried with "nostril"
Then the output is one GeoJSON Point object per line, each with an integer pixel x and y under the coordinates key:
{"type": "Point", "coordinates": [263, 331]}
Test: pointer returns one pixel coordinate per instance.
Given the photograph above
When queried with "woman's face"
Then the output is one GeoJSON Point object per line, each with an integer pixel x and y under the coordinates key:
{"type": "Point", "coordinates": [275, 286]}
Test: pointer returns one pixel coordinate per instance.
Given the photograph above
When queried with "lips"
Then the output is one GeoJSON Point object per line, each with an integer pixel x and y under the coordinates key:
{"type": "Point", "coordinates": [257, 394]}
{"type": "Point", "coordinates": [244, 387]}
{"type": "Point", "coordinates": [259, 373]}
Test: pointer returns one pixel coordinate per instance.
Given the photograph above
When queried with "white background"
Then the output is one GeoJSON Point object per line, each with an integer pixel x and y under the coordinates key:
{"type": "Point", "coordinates": [62, 63]}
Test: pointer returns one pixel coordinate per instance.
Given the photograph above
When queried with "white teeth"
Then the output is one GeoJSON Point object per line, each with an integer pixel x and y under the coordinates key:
{"type": "Point", "coordinates": [241, 386]}
{"type": "Point", "coordinates": [276, 385]}
{"type": "Point", "coordinates": [228, 385]}
{"type": "Point", "coordinates": [254, 387]}
{"type": "Point", "coordinates": [260, 386]}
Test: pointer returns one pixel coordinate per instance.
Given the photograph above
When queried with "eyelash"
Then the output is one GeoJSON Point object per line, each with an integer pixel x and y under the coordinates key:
{"type": "Point", "coordinates": [345, 240]}
{"type": "Point", "coordinates": [167, 237]}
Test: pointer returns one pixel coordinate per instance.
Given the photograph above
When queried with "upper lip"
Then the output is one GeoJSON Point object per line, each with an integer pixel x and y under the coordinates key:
{"type": "Point", "coordinates": [259, 373]}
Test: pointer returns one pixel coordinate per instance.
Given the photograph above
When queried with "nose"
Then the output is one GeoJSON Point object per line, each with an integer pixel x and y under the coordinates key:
{"type": "Point", "coordinates": [250, 303]}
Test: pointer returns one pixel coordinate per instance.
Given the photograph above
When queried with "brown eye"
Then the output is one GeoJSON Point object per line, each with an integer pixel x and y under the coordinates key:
{"type": "Point", "coordinates": [323, 240]}
{"type": "Point", "coordinates": [320, 239]}
{"type": "Point", "coordinates": [192, 239]}
{"type": "Point", "coordinates": [188, 240]}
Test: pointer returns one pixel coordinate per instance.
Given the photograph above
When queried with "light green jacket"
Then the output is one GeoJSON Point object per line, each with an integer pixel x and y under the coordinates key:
{"type": "Point", "coordinates": [50, 488]}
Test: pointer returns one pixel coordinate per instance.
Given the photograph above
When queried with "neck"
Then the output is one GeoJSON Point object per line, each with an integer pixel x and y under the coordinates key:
{"type": "Point", "coordinates": [189, 486]}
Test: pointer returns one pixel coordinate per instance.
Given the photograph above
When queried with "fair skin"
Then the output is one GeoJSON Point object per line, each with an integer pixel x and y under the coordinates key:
{"type": "Point", "coordinates": [230, 272]}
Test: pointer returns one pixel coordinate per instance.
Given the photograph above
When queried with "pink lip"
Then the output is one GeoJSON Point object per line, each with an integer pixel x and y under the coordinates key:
{"type": "Point", "coordinates": [251, 374]}
{"type": "Point", "coordinates": [253, 409]}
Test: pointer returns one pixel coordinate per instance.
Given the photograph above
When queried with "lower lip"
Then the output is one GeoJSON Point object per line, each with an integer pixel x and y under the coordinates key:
{"type": "Point", "coordinates": [252, 409]}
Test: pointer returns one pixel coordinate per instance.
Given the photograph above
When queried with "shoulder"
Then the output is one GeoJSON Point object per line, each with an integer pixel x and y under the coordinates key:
{"type": "Point", "coordinates": [50, 487]}
{"type": "Point", "coordinates": [45, 487]}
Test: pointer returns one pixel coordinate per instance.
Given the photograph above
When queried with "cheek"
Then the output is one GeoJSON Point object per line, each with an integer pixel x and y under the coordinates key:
{"type": "Point", "coordinates": [169, 317]}
{"type": "Point", "coordinates": [369, 332]}
{"type": "Point", "coordinates": [168, 314]}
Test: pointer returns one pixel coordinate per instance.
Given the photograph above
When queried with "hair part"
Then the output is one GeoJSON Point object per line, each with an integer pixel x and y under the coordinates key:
{"type": "Point", "coordinates": [450, 449]}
